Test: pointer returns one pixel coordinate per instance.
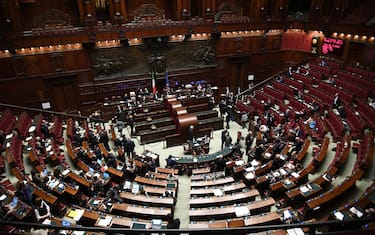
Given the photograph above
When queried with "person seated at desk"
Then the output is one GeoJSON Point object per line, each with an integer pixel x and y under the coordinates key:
{"type": "Point", "coordinates": [297, 146]}
{"type": "Point", "coordinates": [112, 195]}
{"type": "Point", "coordinates": [6, 211]}
{"type": "Point", "coordinates": [171, 162]}
{"type": "Point", "coordinates": [220, 164]}
{"type": "Point", "coordinates": [173, 224]}
{"type": "Point", "coordinates": [42, 210]}
{"type": "Point", "coordinates": [112, 161]}
{"type": "Point", "coordinates": [130, 172]}
{"type": "Point", "coordinates": [25, 192]}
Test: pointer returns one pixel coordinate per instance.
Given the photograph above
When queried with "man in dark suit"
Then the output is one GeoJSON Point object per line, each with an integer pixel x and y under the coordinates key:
{"type": "Point", "coordinates": [173, 224]}
{"type": "Point", "coordinates": [129, 148]}
{"type": "Point", "coordinates": [223, 134]}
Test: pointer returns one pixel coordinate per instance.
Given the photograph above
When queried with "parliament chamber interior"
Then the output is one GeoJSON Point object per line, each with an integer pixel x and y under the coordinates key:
{"type": "Point", "coordinates": [187, 116]}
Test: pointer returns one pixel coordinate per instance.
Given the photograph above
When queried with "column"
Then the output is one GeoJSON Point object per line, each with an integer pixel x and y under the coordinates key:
{"type": "Point", "coordinates": [90, 12]}
{"type": "Point", "coordinates": [208, 9]}
{"type": "Point", "coordinates": [316, 8]}
{"type": "Point", "coordinates": [183, 9]}
{"type": "Point", "coordinates": [123, 11]}
{"type": "Point", "coordinates": [81, 10]}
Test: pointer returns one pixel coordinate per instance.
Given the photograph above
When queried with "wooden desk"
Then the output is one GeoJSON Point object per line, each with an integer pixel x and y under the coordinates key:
{"type": "Point", "coordinates": [147, 200]}
{"type": "Point", "coordinates": [158, 191]}
{"type": "Point", "coordinates": [115, 172]}
{"type": "Point", "coordinates": [209, 183]}
{"type": "Point", "coordinates": [225, 199]}
{"type": "Point", "coordinates": [162, 176]}
{"type": "Point", "coordinates": [129, 222]}
{"type": "Point", "coordinates": [21, 210]}
{"type": "Point", "coordinates": [90, 215]}
{"type": "Point", "coordinates": [167, 170]}
{"type": "Point", "coordinates": [140, 117]}
{"type": "Point", "coordinates": [216, 123]}
{"type": "Point", "coordinates": [299, 157]}
{"type": "Point", "coordinates": [49, 198]}
{"type": "Point", "coordinates": [153, 182]}
{"type": "Point", "coordinates": [146, 125]}
{"type": "Point", "coordinates": [266, 218]}
{"type": "Point", "coordinates": [318, 201]}
{"type": "Point", "coordinates": [229, 211]}
{"type": "Point", "coordinates": [206, 114]}
{"type": "Point", "coordinates": [292, 194]}
{"type": "Point", "coordinates": [79, 179]}
{"type": "Point", "coordinates": [226, 189]}
{"type": "Point", "coordinates": [144, 212]}
{"type": "Point", "coordinates": [204, 170]}
{"type": "Point", "coordinates": [205, 225]}
{"type": "Point", "coordinates": [149, 136]}
{"type": "Point", "coordinates": [207, 176]}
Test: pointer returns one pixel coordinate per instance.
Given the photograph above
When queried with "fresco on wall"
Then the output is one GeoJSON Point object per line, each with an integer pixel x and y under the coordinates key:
{"type": "Point", "coordinates": [154, 55]}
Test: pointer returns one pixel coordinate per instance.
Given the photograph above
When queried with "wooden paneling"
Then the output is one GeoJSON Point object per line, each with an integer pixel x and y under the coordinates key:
{"type": "Point", "coordinates": [76, 60]}
{"type": "Point", "coordinates": [10, 71]}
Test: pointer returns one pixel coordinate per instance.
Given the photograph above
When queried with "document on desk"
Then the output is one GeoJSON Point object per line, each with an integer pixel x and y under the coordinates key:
{"type": "Point", "coordinates": [295, 231]}
{"type": "Point", "coordinates": [75, 214]}
{"type": "Point", "coordinates": [250, 176]}
{"type": "Point", "coordinates": [295, 174]}
{"type": "Point", "coordinates": [218, 192]}
{"type": "Point", "coordinates": [249, 169]}
{"type": "Point", "coordinates": [127, 185]}
{"type": "Point", "coordinates": [357, 212]}
{"type": "Point", "coordinates": [106, 222]}
{"type": "Point", "coordinates": [65, 172]}
{"type": "Point", "coordinates": [242, 211]}
{"type": "Point", "coordinates": [339, 215]}
{"type": "Point", "coordinates": [287, 215]}
{"type": "Point", "coordinates": [283, 172]}
{"type": "Point", "coordinates": [79, 233]}
{"type": "Point", "coordinates": [304, 189]}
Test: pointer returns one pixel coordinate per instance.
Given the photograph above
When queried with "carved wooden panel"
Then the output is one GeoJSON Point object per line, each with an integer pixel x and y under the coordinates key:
{"type": "Point", "coordinates": [155, 54]}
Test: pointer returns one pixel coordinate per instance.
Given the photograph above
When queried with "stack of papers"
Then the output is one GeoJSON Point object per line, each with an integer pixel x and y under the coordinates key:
{"type": "Point", "coordinates": [239, 163]}
{"type": "Point", "coordinates": [250, 169]}
{"type": "Point", "coordinates": [304, 189]}
{"type": "Point", "coordinates": [242, 211]}
{"type": "Point", "coordinates": [75, 214]}
{"type": "Point", "coordinates": [295, 174]}
{"type": "Point", "coordinates": [283, 172]}
{"type": "Point", "coordinates": [287, 215]}
{"type": "Point", "coordinates": [156, 223]}
{"type": "Point", "coordinates": [135, 188]}
{"type": "Point", "coordinates": [250, 175]}
{"type": "Point", "coordinates": [127, 185]}
{"type": "Point", "coordinates": [254, 163]}
{"type": "Point", "coordinates": [106, 222]}
{"type": "Point", "coordinates": [339, 215]}
{"type": "Point", "coordinates": [358, 213]}
{"type": "Point", "coordinates": [218, 192]}
{"type": "Point", "coordinates": [295, 231]}
{"type": "Point", "coordinates": [65, 172]}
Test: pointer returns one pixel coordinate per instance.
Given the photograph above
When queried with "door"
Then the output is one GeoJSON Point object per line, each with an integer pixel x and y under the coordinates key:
{"type": "Point", "coordinates": [63, 94]}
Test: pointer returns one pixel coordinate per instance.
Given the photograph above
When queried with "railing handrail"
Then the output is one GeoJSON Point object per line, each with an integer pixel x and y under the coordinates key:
{"type": "Point", "coordinates": [11, 106]}
{"type": "Point", "coordinates": [313, 225]}
{"type": "Point", "coordinates": [260, 83]}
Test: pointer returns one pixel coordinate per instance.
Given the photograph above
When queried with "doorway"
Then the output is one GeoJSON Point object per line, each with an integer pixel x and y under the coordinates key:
{"type": "Point", "coordinates": [63, 94]}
